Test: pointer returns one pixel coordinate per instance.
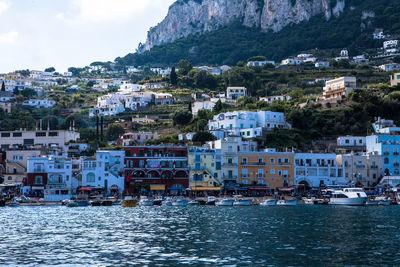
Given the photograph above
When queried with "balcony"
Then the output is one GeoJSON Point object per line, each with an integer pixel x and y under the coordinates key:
{"type": "Point", "coordinates": [260, 163]}
{"type": "Point", "coordinates": [396, 164]}
{"type": "Point", "coordinates": [374, 167]}
{"type": "Point", "coordinates": [38, 170]}
{"type": "Point", "coordinates": [230, 164]}
{"type": "Point", "coordinates": [386, 153]}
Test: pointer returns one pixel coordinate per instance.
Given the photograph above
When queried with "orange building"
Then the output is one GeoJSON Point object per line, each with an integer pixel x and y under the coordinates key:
{"type": "Point", "coordinates": [269, 169]}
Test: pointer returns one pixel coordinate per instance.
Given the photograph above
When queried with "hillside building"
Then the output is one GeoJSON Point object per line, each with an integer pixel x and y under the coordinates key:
{"type": "Point", "coordinates": [337, 88]}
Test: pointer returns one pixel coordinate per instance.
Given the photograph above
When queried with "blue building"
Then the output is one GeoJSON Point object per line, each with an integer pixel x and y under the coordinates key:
{"type": "Point", "coordinates": [389, 147]}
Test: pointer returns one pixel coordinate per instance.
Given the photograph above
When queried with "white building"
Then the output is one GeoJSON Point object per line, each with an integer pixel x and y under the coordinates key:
{"type": "Point", "coordinates": [234, 93]}
{"type": "Point", "coordinates": [339, 87]}
{"type": "Point", "coordinates": [45, 138]}
{"type": "Point", "coordinates": [390, 67]}
{"type": "Point", "coordinates": [322, 64]}
{"type": "Point", "coordinates": [259, 63]}
{"type": "Point", "coordinates": [129, 87]}
{"type": "Point", "coordinates": [199, 105]}
{"type": "Point", "coordinates": [291, 61]}
{"type": "Point", "coordinates": [39, 103]}
{"type": "Point", "coordinates": [247, 124]}
{"type": "Point", "coordinates": [6, 96]}
{"type": "Point", "coordinates": [378, 34]}
{"type": "Point", "coordinates": [351, 141]}
{"type": "Point", "coordinates": [315, 170]}
{"type": "Point", "coordinates": [51, 175]}
{"type": "Point", "coordinates": [271, 99]}
{"type": "Point", "coordinates": [186, 136]}
{"type": "Point", "coordinates": [390, 44]}
{"type": "Point", "coordinates": [106, 171]}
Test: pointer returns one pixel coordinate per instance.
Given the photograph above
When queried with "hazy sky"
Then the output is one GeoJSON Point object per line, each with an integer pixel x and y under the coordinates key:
{"type": "Point", "coordinates": [35, 34]}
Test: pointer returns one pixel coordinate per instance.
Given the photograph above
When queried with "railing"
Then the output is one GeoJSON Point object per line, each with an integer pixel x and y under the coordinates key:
{"type": "Point", "coordinates": [260, 163]}
{"type": "Point", "coordinates": [230, 165]}
{"type": "Point", "coordinates": [38, 170]}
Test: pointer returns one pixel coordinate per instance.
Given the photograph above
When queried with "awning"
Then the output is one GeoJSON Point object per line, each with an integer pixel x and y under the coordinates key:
{"type": "Point", "coordinates": [199, 188]}
{"type": "Point", "coordinates": [286, 189]}
{"type": "Point", "coordinates": [37, 187]}
{"type": "Point", "coordinates": [84, 189]}
{"type": "Point", "coordinates": [157, 187]}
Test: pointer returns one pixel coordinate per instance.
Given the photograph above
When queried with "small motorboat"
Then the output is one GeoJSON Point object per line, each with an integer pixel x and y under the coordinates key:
{"type": "Point", "coordinates": [72, 204]}
{"type": "Point", "coordinates": [129, 202]}
{"type": "Point", "coordinates": [106, 203]}
{"type": "Point", "coordinates": [225, 203]}
{"type": "Point", "coordinates": [146, 202]}
{"type": "Point", "coordinates": [157, 202]}
{"type": "Point", "coordinates": [269, 202]}
{"type": "Point", "coordinates": [308, 201]}
{"type": "Point", "coordinates": [95, 203]}
{"type": "Point", "coordinates": [82, 203]}
{"type": "Point", "coordinates": [383, 201]}
{"type": "Point", "coordinates": [292, 202]}
{"type": "Point", "coordinates": [194, 203]}
{"type": "Point", "coordinates": [242, 202]}
{"type": "Point", "coordinates": [13, 204]}
{"type": "Point", "coordinates": [180, 203]}
{"type": "Point", "coordinates": [211, 201]}
{"type": "Point", "coordinates": [167, 202]}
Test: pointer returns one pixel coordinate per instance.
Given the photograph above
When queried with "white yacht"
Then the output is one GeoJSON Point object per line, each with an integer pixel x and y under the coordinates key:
{"type": "Point", "coordinates": [144, 201]}
{"type": "Point", "coordinates": [167, 202]}
{"type": "Point", "coordinates": [349, 196]}
{"type": "Point", "coordinates": [269, 202]}
{"type": "Point", "coordinates": [292, 202]}
{"type": "Point", "coordinates": [180, 202]}
{"type": "Point", "coordinates": [240, 201]}
{"type": "Point", "coordinates": [225, 203]}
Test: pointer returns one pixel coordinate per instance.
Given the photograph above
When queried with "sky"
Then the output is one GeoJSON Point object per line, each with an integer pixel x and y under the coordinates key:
{"type": "Point", "coordinates": [36, 34]}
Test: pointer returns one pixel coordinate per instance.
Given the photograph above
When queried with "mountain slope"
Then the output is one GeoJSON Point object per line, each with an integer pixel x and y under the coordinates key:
{"type": "Point", "coordinates": [235, 41]}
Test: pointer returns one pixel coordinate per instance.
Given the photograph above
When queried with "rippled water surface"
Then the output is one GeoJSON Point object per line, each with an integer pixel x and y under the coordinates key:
{"type": "Point", "coordinates": [242, 236]}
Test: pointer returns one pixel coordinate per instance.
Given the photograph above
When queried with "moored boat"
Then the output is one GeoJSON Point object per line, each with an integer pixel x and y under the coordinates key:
{"type": "Point", "coordinates": [225, 203]}
{"type": "Point", "coordinates": [72, 204]}
{"type": "Point", "coordinates": [269, 202]}
{"type": "Point", "coordinates": [146, 202]}
{"type": "Point", "coordinates": [194, 203]}
{"type": "Point", "coordinates": [2, 203]}
{"type": "Point", "coordinates": [211, 201]}
{"type": "Point", "coordinates": [129, 202]}
{"type": "Point", "coordinates": [349, 197]}
{"type": "Point", "coordinates": [239, 201]}
{"type": "Point", "coordinates": [180, 202]}
{"type": "Point", "coordinates": [384, 201]}
{"type": "Point", "coordinates": [167, 202]}
{"type": "Point", "coordinates": [292, 202]}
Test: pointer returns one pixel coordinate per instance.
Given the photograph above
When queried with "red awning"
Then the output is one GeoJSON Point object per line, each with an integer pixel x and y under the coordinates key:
{"type": "Point", "coordinates": [84, 189]}
{"type": "Point", "coordinates": [287, 189]}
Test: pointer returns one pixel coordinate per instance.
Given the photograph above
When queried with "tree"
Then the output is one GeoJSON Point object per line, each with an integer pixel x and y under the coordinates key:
{"type": "Point", "coordinates": [28, 92]}
{"type": "Point", "coordinates": [218, 106]}
{"type": "Point", "coordinates": [114, 131]}
{"type": "Point", "coordinates": [184, 67]}
{"type": "Point", "coordinates": [203, 137]}
{"type": "Point", "coordinates": [173, 77]}
{"type": "Point", "coordinates": [51, 69]}
{"type": "Point", "coordinates": [396, 59]}
{"type": "Point", "coordinates": [3, 87]}
{"type": "Point", "coordinates": [182, 117]}
{"type": "Point", "coordinates": [190, 107]}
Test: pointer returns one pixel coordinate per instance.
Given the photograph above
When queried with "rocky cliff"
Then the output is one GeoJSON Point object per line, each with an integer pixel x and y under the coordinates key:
{"type": "Point", "coordinates": [187, 17]}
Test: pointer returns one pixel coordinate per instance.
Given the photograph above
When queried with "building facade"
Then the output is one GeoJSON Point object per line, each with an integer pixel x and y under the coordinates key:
{"type": "Point", "coordinates": [316, 170]}
{"type": "Point", "coordinates": [388, 146]}
{"type": "Point", "coordinates": [16, 164]}
{"type": "Point", "coordinates": [234, 93]}
{"type": "Point", "coordinates": [339, 87]}
{"type": "Point", "coordinates": [104, 171]}
{"type": "Point", "coordinates": [364, 169]}
{"type": "Point", "coordinates": [156, 168]}
{"type": "Point", "coordinates": [269, 169]}
{"type": "Point", "coordinates": [205, 167]}
{"type": "Point", "coordinates": [395, 79]}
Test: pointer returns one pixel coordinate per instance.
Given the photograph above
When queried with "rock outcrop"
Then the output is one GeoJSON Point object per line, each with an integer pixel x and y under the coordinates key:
{"type": "Point", "coordinates": [187, 17]}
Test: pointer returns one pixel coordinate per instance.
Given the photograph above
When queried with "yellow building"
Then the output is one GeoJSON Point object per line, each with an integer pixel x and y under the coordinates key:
{"type": "Point", "coordinates": [339, 87]}
{"type": "Point", "coordinates": [205, 169]}
{"type": "Point", "coordinates": [270, 169]}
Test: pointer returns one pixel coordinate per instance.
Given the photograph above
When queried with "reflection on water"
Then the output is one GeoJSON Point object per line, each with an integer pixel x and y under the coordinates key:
{"type": "Point", "coordinates": [282, 236]}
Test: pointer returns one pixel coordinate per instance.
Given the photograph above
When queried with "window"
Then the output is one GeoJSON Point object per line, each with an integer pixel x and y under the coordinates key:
{"type": "Point", "coordinates": [5, 135]}
{"type": "Point", "coordinates": [386, 161]}
{"type": "Point", "coordinates": [38, 180]}
{"type": "Point", "coordinates": [280, 173]}
{"type": "Point", "coordinates": [17, 134]}
{"type": "Point", "coordinates": [260, 161]}
{"type": "Point", "coordinates": [53, 133]}
{"type": "Point", "coordinates": [90, 177]}
{"type": "Point", "coordinates": [260, 181]}
{"type": "Point", "coordinates": [40, 134]}
{"type": "Point", "coordinates": [272, 171]}
{"type": "Point", "coordinates": [245, 173]}
{"type": "Point", "coordinates": [260, 173]}
{"type": "Point", "coordinates": [245, 182]}
{"type": "Point", "coordinates": [272, 160]}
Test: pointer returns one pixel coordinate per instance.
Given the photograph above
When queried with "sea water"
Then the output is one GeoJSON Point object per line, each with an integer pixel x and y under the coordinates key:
{"type": "Point", "coordinates": [202, 235]}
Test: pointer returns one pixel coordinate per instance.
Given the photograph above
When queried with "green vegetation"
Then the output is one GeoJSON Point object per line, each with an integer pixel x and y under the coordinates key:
{"type": "Point", "coordinates": [234, 43]}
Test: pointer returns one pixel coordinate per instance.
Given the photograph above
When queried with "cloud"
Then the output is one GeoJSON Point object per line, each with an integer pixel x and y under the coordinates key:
{"type": "Point", "coordinates": [4, 5]}
{"type": "Point", "coordinates": [96, 11]}
{"type": "Point", "coordinates": [9, 37]}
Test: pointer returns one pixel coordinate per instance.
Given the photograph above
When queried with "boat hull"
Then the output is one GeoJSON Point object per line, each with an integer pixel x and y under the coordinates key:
{"type": "Point", "coordinates": [146, 203]}
{"type": "Point", "coordinates": [372, 203]}
{"type": "Point", "coordinates": [385, 202]}
{"type": "Point", "coordinates": [245, 202]}
{"type": "Point", "coordinates": [180, 203]}
{"type": "Point", "coordinates": [224, 203]}
{"type": "Point", "coordinates": [287, 202]}
{"type": "Point", "coordinates": [359, 201]}
{"type": "Point", "coordinates": [271, 202]}
{"type": "Point", "coordinates": [129, 203]}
